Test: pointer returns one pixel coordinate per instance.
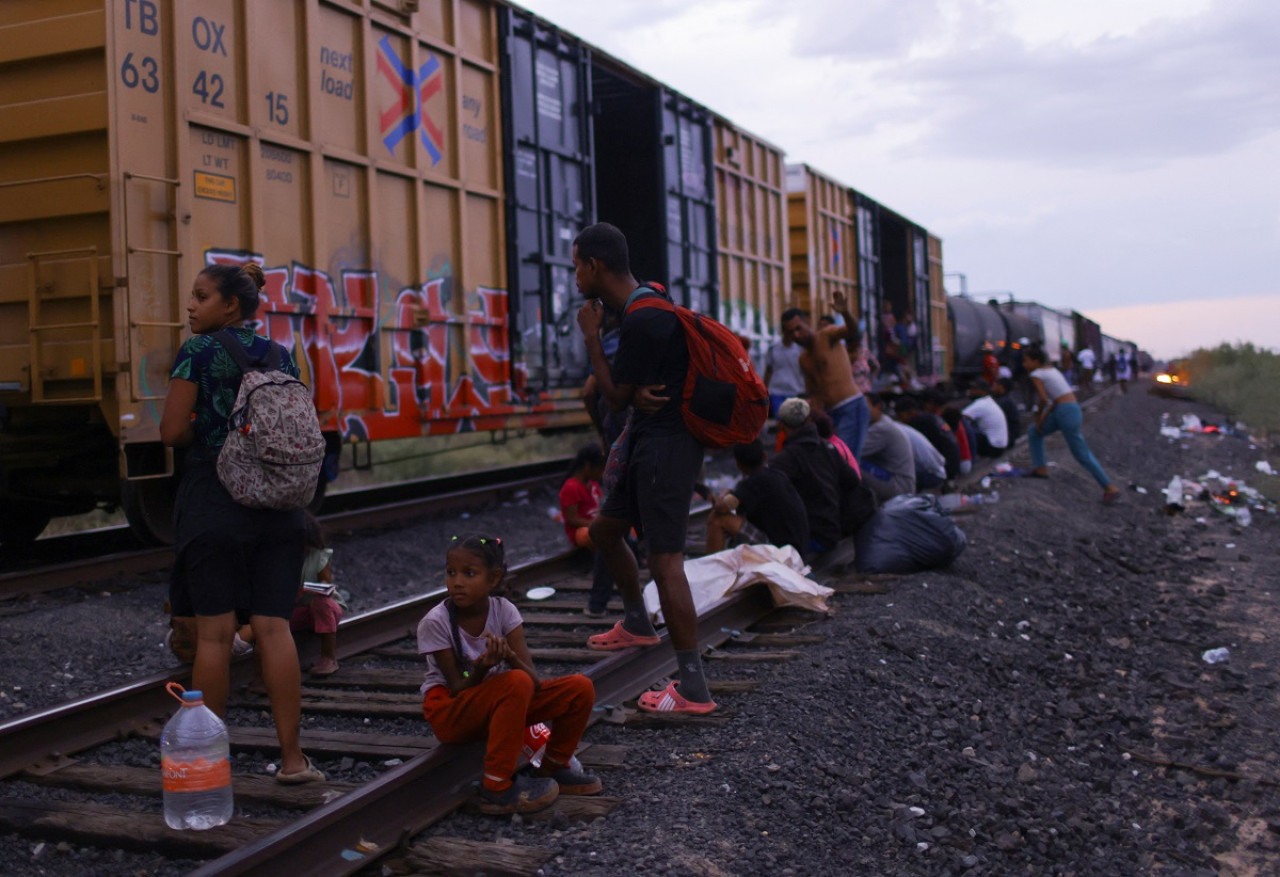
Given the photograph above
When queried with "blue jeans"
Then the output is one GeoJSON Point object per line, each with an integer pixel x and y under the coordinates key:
{"type": "Point", "coordinates": [1066, 418]}
{"type": "Point", "coordinates": [852, 418]}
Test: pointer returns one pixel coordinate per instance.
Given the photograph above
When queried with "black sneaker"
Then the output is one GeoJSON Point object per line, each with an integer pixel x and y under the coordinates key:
{"type": "Point", "coordinates": [574, 779]}
{"type": "Point", "coordinates": [526, 795]}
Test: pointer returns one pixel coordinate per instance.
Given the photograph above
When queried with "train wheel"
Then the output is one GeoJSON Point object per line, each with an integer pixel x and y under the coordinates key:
{"type": "Point", "coordinates": [22, 526]}
{"type": "Point", "coordinates": [149, 507]}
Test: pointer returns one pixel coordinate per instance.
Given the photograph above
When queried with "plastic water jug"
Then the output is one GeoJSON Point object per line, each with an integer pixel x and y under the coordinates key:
{"type": "Point", "coordinates": [195, 759]}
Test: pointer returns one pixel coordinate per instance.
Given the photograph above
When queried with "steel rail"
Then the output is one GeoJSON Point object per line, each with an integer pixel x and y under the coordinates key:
{"type": "Point", "coordinates": [144, 560]}
{"type": "Point", "coordinates": [108, 715]}
{"type": "Point", "coordinates": [347, 835]}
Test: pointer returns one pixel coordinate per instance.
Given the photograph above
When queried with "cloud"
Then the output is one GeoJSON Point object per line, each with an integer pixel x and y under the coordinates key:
{"type": "Point", "coordinates": [1199, 85]}
{"type": "Point", "coordinates": [864, 29]}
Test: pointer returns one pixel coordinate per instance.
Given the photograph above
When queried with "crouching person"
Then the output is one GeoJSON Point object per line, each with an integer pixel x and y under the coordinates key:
{"type": "Point", "coordinates": [763, 508]}
{"type": "Point", "coordinates": [481, 685]}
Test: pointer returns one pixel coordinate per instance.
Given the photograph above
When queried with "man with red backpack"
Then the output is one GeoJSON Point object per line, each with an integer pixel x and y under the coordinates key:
{"type": "Point", "coordinates": [661, 465]}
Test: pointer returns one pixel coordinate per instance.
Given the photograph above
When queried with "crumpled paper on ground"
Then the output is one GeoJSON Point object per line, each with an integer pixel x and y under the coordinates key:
{"type": "Point", "coordinates": [712, 577]}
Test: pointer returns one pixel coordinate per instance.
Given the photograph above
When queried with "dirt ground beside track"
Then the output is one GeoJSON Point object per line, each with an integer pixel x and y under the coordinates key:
{"type": "Point", "coordinates": [1042, 707]}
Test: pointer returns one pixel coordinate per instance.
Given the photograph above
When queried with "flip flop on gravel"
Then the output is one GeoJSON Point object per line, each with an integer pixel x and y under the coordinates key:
{"type": "Point", "coordinates": [618, 637]}
{"type": "Point", "coordinates": [668, 700]}
{"type": "Point", "coordinates": [309, 774]}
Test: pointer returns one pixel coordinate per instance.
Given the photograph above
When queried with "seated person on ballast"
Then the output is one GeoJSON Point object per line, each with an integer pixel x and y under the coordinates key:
{"type": "Point", "coordinates": [993, 428]}
{"type": "Point", "coordinates": [763, 508]}
{"type": "Point", "coordinates": [934, 429]}
{"type": "Point", "coordinates": [823, 480]}
{"type": "Point", "coordinates": [888, 464]}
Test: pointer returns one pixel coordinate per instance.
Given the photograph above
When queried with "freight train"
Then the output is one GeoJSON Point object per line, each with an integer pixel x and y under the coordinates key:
{"type": "Point", "coordinates": [411, 175]}
{"type": "Point", "coordinates": [1007, 327]}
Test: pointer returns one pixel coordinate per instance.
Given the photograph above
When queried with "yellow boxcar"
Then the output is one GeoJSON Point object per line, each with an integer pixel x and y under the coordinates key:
{"type": "Point", "coordinates": [352, 149]}
{"type": "Point", "coordinates": [751, 209]}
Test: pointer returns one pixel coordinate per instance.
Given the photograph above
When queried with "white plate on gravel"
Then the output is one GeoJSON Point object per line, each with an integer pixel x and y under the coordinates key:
{"type": "Point", "coordinates": [539, 593]}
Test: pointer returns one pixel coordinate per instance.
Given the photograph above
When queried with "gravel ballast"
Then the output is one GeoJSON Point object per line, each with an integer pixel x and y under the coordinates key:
{"type": "Point", "coordinates": [1007, 715]}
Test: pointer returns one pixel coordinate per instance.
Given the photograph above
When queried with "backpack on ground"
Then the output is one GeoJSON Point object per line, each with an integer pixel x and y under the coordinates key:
{"type": "Point", "coordinates": [725, 402]}
{"type": "Point", "coordinates": [274, 447]}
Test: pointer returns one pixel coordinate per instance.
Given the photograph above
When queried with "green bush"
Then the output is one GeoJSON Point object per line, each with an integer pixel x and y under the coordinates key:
{"type": "Point", "coordinates": [1242, 380]}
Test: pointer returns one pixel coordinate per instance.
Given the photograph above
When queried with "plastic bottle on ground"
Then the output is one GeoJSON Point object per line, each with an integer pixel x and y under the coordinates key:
{"type": "Point", "coordinates": [195, 757]}
{"type": "Point", "coordinates": [535, 743]}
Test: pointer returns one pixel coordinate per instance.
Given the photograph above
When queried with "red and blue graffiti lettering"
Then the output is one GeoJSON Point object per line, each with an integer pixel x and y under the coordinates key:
{"type": "Point", "coordinates": [445, 370]}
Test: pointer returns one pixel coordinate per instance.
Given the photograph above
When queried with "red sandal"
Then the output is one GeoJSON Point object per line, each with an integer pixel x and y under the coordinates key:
{"type": "Point", "coordinates": [668, 700]}
{"type": "Point", "coordinates": [618, 637]}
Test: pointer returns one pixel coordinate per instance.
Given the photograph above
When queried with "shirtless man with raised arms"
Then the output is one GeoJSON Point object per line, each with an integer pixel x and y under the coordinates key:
{"type": "Point", "coordinates": [828, 378]}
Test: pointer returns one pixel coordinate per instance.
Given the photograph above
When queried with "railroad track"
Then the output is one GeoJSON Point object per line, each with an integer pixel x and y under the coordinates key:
{"type": "Point", "coordinates": [344, 826]}
{"type": "Point", "coordinates": [98, 555]}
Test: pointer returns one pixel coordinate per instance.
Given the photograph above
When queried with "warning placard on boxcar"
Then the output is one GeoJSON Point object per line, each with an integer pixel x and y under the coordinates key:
{"type": "Point", "coordinates": [215, 187]}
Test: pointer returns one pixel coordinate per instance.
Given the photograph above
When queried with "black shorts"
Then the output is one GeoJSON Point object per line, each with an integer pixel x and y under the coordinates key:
{"type": "Point", "coordinates": [656, 488]}
{"type": "Point", "coordinates": [230, 558]}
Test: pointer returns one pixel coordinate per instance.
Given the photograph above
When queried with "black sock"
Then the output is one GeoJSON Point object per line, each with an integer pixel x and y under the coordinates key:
{"type": "Point", "coordinates": [635, 618]}
{"type": "Point", "coordinates": [693, 681]}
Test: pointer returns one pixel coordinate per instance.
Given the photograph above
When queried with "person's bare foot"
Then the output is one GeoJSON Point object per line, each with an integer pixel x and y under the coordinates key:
{"type": "Point", "coordinates": [325, 667]}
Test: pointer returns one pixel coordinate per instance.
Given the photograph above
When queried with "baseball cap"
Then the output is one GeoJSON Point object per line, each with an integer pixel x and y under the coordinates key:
{"type": "Point", "coordinates": [793, 412]}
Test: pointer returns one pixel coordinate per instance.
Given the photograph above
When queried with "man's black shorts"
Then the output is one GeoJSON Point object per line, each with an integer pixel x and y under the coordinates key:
{"type": "Point", "coordinates": [655, 490]}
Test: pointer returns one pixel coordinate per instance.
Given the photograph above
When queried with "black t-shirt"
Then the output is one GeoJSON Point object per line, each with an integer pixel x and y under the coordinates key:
{"type": "Point", "coordinates": [769, 501]}
{"type": "Point", "coordinates": [1011, 416]}
{"type": "Point", "coordinates": [934, 428]}
{"type": "Point", "coordinates": [652, 350]}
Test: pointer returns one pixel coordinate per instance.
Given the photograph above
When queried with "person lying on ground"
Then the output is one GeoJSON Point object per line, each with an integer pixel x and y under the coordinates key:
{"type": "Point", "coordinates": [763, 508]}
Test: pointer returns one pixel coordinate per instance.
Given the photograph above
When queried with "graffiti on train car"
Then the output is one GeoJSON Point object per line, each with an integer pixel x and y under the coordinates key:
{"type": "Point", "coordinates": [447, 372]}
{"type": "Point", "coordinates": [410, 93]}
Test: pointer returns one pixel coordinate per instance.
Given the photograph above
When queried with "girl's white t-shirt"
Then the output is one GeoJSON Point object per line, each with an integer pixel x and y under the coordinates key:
{"type": "Point", "coordinates": [1055, 385]}
{"type": "Point", "coordinates": [435, 633]}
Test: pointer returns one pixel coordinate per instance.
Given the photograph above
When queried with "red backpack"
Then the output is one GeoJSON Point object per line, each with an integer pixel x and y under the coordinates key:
{"type": "Point", "coordinates": [725, 402]}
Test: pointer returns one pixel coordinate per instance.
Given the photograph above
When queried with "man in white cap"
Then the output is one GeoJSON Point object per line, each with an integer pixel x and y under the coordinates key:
{"type": "Point", "coordinates": [825, 482]}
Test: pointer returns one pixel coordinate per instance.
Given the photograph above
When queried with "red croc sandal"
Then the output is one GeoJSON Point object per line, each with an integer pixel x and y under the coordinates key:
{"type": "Point", "coordinates": [618, 637]}
{"type": "Point", "coordinates": [668, 700]}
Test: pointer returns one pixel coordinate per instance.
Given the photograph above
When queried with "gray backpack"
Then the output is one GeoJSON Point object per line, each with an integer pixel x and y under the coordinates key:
{"type": "Point", "coordinates": [274, 448]}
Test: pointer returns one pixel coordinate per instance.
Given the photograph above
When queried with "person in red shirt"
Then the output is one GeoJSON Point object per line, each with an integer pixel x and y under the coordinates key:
{"type": "Point", "coordinates": [579, 502]}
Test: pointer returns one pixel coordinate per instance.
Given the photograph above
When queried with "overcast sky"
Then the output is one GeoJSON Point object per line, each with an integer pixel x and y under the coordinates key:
{"type": "Point", "coordinates": [1087, 154]}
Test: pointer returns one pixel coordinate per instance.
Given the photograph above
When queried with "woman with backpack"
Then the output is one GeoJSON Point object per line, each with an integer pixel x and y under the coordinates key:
{"type": "Point", "coordinates": [232, 560]}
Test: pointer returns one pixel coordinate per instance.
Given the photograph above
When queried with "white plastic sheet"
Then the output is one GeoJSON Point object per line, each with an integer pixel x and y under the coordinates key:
{"type": "Point", "coordinates": [713, 577]}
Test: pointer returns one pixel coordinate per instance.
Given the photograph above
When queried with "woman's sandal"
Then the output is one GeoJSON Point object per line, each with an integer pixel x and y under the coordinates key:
{"type": "Point", "coordinates": [1110, 495]}
{"type": "Point", "coordinates": [618, 637]}
{"type": "Point", "coordinates": [309, 774]}
{"type": "Point", "coordinates": [668, 700]}
{"type": "Point", "coordinates": [1036, 473]}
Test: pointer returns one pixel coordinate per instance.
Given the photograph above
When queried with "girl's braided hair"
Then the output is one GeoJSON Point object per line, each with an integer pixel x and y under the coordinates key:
{"type": "Point", "coordinates": [490, 550]}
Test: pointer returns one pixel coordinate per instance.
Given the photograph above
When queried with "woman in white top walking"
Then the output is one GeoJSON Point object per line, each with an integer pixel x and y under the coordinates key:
{"type": "Point", "coordinates": [1058, 411]}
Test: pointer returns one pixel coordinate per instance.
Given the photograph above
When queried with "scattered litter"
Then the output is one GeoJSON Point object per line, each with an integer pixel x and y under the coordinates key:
{"type": "Point", "coordinates": [1216, 656]}
{"type": "Point", "coordinates": [1173, 495]}
{"type": "Point", "coordinates": [1002, 468]}
{"type": "Point", "coordinates": [541, 593]}
{"type": "Point", "coordinates": [1170, 432]}
{"type": "Point", "coordinates": [1230, 545]}
{"type": "Point", "coordinates": [1191, 423]}
{"type": "Point", "coordinates": [465, 515]}
{"type": "Point", "coordinates": [986, 483]}
{"type": "Point", "coordinates": [1264, 467]}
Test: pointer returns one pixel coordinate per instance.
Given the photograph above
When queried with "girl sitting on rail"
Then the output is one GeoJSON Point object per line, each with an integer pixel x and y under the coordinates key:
{"type": "Point", "coordinates": [481, 684]}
